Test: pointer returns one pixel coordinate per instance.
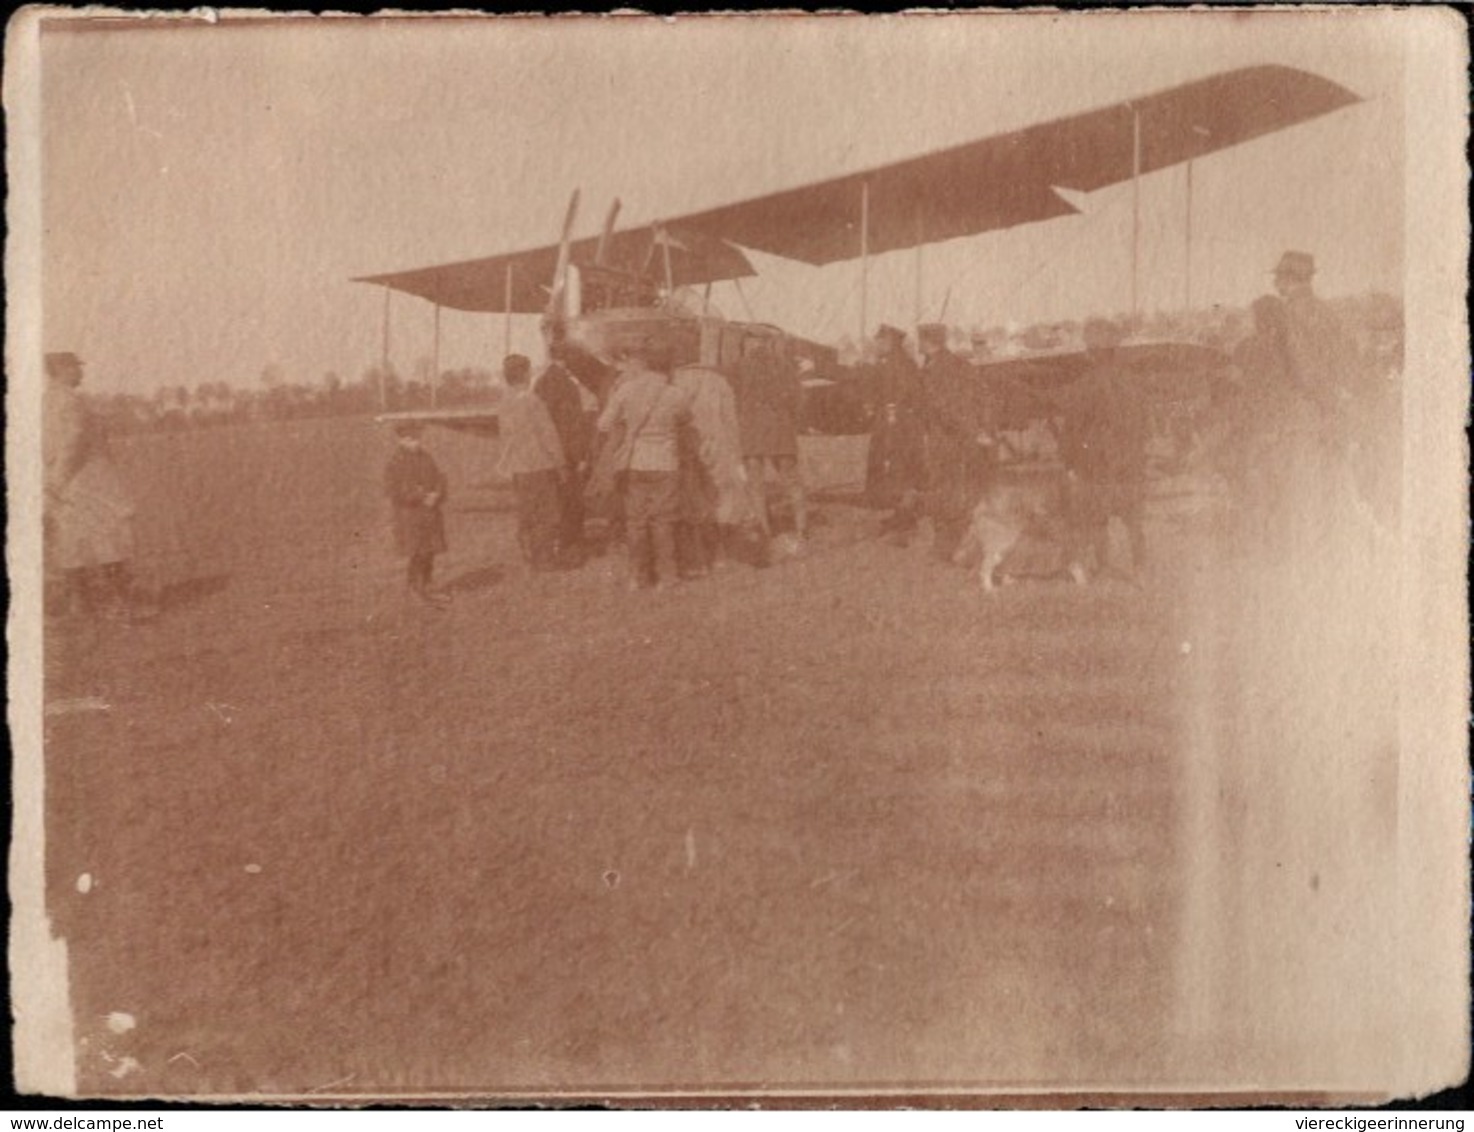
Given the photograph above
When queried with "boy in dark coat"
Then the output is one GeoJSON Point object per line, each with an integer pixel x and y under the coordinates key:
{"type": "Point", "coordinates": [416, 489]}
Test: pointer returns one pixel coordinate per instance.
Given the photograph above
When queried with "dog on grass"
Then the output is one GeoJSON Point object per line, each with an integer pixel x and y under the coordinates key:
{"type": "Point", "coordinates": [1021, 500]}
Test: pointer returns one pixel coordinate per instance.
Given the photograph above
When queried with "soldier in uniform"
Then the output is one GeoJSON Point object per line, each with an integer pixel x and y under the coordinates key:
{"type": "Point", "coordinates": [561, 392]}
{"type": "Point", "coordinates": [895, 468]}
{"type": "Point", "coordinates": [651, 411]}
{"type": "Point", "coordinates": [1327, 368]}
{"type": "Point", "coordinates": [959, 438]}
{"type": "Point", "coordinates": [714, 496]}
{"type": "Point", "coordinates": [88, 513]}
{"type": "Point", "coordinates": [768, 391]}
{"type": "Point", "coordinates": [533, 455]}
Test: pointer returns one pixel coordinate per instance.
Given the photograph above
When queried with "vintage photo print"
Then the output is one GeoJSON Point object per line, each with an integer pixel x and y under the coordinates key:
{"type": "Point", "coordinates": [769, 557]}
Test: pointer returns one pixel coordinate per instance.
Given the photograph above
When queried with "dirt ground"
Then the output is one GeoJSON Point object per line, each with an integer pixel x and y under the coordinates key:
{"type": "Point", "coordinates": [841, 823]}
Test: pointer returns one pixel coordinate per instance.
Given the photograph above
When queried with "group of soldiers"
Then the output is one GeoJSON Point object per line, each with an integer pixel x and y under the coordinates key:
{"type": "Point", "coordinates": [675, 461]}
{"type": "Point", "coordinates": [677, 458]}
{"type": "Point", "coordinates": [1306, 433]}
{"type": "Point", "coordinates": [937, 444]}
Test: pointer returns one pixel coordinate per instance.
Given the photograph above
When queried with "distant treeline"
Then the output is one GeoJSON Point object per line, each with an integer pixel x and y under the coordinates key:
{"type": "Point", "coordinates": [211, 404]}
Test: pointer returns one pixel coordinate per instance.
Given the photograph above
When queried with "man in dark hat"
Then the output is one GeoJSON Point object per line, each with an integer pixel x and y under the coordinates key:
{"type": "Point", "coordinates": [88, 511]}
{"type": "Point", "coordinates": [1322, 356]}
{"type": "Point", "coordinates": [416, 489]}
{"type": "Point", "coordinates": [895, 467]}
{"type": "Point", "coordinates": [1325, 364]}
{"type": "Point", "coordinates": [959, 438]}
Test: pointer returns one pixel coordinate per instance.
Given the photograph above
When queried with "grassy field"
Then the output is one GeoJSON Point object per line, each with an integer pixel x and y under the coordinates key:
{"type": "Point", "coordinates": [843, 822]}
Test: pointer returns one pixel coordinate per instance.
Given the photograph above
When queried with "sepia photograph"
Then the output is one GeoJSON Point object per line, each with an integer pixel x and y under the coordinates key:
{"type": "Point", "coordinates": [768, 559]}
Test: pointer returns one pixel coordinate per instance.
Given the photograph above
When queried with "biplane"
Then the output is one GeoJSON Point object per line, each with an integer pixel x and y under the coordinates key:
{"type": "Point", "coordinates": [598, 296]}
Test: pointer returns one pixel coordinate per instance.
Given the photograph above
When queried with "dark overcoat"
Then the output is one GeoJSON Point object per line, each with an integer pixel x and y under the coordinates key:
{"type": "Point", "coordinates": [955, 417]}
{"type": "Point", "coordinates": [419, 527]}
{"type": "Point", "coordinates": [767, 392]}
{"type": "Point", "coordinates": [558, 390]}
{"type": "Point", "coordinates": [1106, 427]}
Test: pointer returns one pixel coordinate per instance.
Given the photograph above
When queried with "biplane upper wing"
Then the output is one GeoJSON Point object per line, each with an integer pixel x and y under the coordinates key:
{"type": "Point", "coordinates": [520, 281]}
{"type": "Point", "coordinates": [993, 183]}
{"type": "Point", "coordinates": [1009, 179]}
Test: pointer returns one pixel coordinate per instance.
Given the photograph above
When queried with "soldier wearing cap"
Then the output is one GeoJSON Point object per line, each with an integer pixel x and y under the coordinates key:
{"type": "Point", "coordinates": [1323, 358]}
{"type": "Point", "coordinates": [650, 410]}
{"type": "Point", "coordinates": [564, 397]}
{"type": "Point", "coordinates": [895, 469]}
{"type": "Point", "coordinates": [1326, 366]}
{"type": "Point", "coordinates": [1272, 429]}
{"type": "Point", "coordinates": [534, 456]}
{"type": "Point", "coordinates": [88, 512]}
{"type": "Point", "coordinates": [958, 437]}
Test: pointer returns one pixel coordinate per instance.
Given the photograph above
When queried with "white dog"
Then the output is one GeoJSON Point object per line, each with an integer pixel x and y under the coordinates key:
{"type": "Point", "coordinates": [1021, 499]}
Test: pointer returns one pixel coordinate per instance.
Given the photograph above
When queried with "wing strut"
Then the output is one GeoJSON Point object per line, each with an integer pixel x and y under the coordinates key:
{"type": "Point", "coordinates": [864, 256]}
{"type": "Point", "coordinates": [507, 316]}
{"type": "Point", "coordinates": [920, 244]}
{"type": "Point", "coordinates": [384, 355]}
{"type": "Point", "coordinates": [435, 361]}
{"type": "Point", "coordinates": [1135, 205]}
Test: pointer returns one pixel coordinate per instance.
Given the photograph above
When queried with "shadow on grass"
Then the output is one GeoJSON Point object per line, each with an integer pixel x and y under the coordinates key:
{"type": "Point", "coordinates": [506, 506]}
{"type": "Point", "coordinates": [473, 580]}
{"type": "Point", "coordinates": [192, 591]}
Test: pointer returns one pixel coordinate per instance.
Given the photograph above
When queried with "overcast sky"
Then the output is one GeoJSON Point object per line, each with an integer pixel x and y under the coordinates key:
{"type": "Point", "coordinates": [209, 191]}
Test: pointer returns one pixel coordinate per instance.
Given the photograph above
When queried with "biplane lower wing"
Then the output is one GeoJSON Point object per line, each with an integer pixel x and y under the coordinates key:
{"type": "Point", "coordinates": [480, 422]}
{"type": "Point", "coordinates": [521, 282]}
{"type": "Point", "coordinates": [1022, 390]}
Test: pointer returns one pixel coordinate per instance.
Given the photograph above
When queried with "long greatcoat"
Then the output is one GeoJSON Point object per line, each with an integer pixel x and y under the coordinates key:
{"type": "Point", "coordinates": [768, 394]}
{"type": "Point", "coordinates": [713, 482]}
{"type": "Point", "coordinates": [559, 391]}
{"type": "Point", "coordinates": [896, 461]}
{"type": "Point", "coordinates": [955, 416]}
{"type": "Point", "coordinates": [89, 509]}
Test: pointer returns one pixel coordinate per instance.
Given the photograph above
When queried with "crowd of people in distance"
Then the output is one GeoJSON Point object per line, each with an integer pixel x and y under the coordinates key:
{"type": "Point", "coordinates": [937, 446]}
